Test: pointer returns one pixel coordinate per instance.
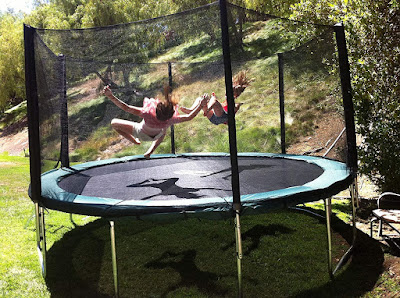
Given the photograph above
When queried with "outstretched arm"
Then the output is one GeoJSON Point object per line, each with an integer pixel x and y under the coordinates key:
{"type": "Point", "coordinates": [196, 110]}
{"type": "Point", "coordinates": [127, 108]}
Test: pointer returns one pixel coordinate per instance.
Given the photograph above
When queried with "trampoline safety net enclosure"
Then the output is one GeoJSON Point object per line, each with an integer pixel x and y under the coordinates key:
{"type": "Point", "coordinates": [298, 104]}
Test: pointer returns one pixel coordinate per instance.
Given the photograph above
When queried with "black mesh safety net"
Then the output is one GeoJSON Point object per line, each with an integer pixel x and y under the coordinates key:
{"type": "Point", "coordinates": [184, 51]}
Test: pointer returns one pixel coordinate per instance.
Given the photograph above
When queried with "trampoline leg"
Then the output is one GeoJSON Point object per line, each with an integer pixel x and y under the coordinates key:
{"type": "Point", "coordinates": [41, 237]}
{"type": "Point", "coordinates": [354, 192]}
{"type": "Point", "coordinates": [328, 210]}
{"type": "Point", "coordinates": [239, 253]}
{"type": "Point", "coordinates": [114, 258]}
{"type": "Point", "coordinates": [72, 220]}
{"type": "Point", "coordinates": [354, 204]}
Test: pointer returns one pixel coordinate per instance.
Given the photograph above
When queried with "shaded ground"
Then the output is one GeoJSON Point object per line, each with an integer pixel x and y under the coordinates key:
{"type": "Point", "coordinates": [72, 270]}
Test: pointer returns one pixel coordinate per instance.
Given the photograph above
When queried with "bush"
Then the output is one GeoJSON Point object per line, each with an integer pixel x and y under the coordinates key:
{"type": "Point", "coordinates": [372, 36]}
{"type": "Point", "coordinates": [377, 93]}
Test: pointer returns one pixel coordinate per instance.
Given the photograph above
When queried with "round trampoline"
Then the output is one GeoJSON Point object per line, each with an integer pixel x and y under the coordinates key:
{"type": "Point", "coordinates": [66, 113]}
{"type": "Point", "coordinates": [191, 184]}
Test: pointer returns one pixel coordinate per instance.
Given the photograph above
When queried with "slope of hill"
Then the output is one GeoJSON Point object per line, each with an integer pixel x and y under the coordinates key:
{"type": "Point", "coordinates": [313, 118]}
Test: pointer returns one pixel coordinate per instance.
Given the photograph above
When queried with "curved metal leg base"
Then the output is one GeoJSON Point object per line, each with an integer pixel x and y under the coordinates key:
{"type": "Point", "coordinates": [41, 237]}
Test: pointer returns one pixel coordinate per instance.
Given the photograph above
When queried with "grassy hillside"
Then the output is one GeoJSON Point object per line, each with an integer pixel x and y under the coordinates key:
{"type": "Point", "coordinates": [310, 96]}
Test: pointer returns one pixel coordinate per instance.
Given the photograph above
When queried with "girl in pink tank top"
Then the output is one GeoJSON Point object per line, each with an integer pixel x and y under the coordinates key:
{"type": "Point", "coordinates": [157, 116]}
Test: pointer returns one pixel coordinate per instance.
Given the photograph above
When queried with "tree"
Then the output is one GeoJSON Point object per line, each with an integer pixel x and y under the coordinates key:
{"type": "Point", "coordinates": [377, 94]}
{"type": "Point", "coordinates": [12, 87]}
{"type": "Point", "coordinates": [48, 16]}
{"type": "Point", "coordinates": [372, 34]}
{"type": "Point", "coordinates": [274, 7]}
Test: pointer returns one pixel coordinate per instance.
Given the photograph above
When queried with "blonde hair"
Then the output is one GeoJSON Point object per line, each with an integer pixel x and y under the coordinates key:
{"type": "Point", "coordinates": [240, 82]}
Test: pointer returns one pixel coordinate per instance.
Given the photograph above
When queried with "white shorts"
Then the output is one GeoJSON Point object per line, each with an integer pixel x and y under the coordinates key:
{"type": "Point", "coordinates": [137, 132]}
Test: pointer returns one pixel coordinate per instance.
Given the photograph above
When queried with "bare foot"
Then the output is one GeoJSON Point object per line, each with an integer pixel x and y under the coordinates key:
{"type": "Point", "coordinates": [147, 155]}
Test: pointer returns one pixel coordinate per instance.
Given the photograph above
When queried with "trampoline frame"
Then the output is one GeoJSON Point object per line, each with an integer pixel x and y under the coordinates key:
{"type": "Point", "coordinates": [55, 196]}
{"type": "Point", "coordinates": [35, 158]}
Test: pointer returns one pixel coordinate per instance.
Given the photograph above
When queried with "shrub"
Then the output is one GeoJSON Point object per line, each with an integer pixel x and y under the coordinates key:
{"type": "Point", "coordinates": [372, 35]}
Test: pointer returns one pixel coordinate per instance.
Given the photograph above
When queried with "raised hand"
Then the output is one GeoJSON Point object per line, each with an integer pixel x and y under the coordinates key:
{"type": "Point", "coordinates": [107, 91]}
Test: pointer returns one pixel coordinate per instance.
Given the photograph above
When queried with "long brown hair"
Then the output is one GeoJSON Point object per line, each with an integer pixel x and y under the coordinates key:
{"type": "Point", "coordinates": [166, 108]}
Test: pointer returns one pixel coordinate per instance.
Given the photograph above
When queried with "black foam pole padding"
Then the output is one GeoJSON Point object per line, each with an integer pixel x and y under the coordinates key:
{"type": "Point", "coordinates": [347, 97]}
{"type": "Point", "coordinates": [64, 115]}
{"type": "Point", "coordinates": [172, 126]}
{"type": "Point", "coordinates": [282, 102]}
{"type": "Point", "coordinates": [231, 105]}
{"type": "Point", "coordinates": [32, 113]}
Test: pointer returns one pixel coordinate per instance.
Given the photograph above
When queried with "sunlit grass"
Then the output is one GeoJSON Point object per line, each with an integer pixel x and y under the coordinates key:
{"type": "Point", "coordinates": [18, 268]}
{"type": "Point", "coordinates": [341, 207]}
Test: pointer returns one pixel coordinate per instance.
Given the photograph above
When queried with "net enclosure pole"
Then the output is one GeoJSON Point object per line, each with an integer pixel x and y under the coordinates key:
{"type": "Point", "coordinates": [232, 138]}
{"type": "Point", "coordinates": [64, 114]}
{"type": "Point", "coordinates": [231, 105]}
{"type": "Point", "coordinates": [345, 81]}
{"type": "Point", "coordinates": [172, 126]}
{"type": "Point", "coordinates": [32, 113]}
{"type": "Point", "coordinates": [282, 102]}
{"type": "Point", "coordinates": [328, 212]}
{"type": "Point", "coordinates": [34, 141]}
{"type": "Point", "coordinates": [114, 258]}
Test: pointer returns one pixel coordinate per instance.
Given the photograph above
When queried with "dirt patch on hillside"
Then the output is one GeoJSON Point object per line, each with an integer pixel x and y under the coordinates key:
{"type": "Point", "coordinates": [327, 130]}
{"type": "Point", "coordinates": [86, 91]}
{"type": "Point", "coordinates": [15, 143]}
{"type": "Point", "coordinates": [116, 146]}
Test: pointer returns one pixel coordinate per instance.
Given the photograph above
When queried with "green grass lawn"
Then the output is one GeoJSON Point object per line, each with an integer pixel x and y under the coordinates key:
{"type": "Point", "coordinates": [284, 254]}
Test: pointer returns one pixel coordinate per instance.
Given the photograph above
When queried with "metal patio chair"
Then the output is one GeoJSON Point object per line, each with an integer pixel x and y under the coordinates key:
{"type": "Point", "coordinates": [387, 214]}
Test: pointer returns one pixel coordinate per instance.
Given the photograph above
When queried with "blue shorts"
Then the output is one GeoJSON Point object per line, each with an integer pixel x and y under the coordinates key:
{"type": "Point", "coordinates": [219, 120]}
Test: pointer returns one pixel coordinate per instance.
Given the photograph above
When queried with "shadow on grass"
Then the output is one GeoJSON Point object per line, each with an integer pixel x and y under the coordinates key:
{"type": "Point", "coordinates": [255, 234]}
{"type": "Point", "coordinates": [190, 275]}
{"type": "Point", "coordinates": [197, 258]}
{"type": "Point", "coordinates": [362, 271]}
{"type": "Point", "coordinates": [63, 276]}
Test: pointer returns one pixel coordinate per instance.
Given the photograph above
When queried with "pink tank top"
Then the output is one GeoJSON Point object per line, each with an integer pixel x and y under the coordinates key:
{"type": "Point", "coordinates": [149, 114]}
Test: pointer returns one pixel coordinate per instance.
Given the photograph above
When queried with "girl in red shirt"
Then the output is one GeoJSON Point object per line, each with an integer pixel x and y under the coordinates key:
{"type": "Point", "coordinates": [216, 112]}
